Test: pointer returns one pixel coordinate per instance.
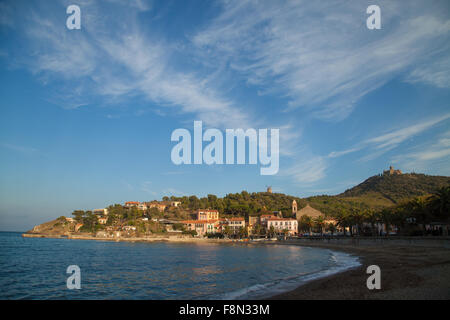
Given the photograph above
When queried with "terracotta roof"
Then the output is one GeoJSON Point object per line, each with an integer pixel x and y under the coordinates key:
{"type": "Point", "coordinates": [281, 219]}
{"type": "Point", "coordinates": [207, 210]}
{"type": "Point", "coordinates": [199, 221]}
{"type": "Point", "coordinates": [132, 202]}
{"type": "Point", "coordinates": [310, 212]}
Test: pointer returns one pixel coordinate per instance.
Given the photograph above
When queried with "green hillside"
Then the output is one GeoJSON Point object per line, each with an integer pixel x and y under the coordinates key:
{"type": "Point", "coordinates": [379, 192]}
{"type": "Point", "coordinates": [376, 192]}
{"type": "Point", "coordinates": [390, 190]}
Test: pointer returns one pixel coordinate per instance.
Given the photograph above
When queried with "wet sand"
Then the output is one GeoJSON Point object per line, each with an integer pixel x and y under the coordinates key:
{"type": "Point", "coordinates": [407, 272]}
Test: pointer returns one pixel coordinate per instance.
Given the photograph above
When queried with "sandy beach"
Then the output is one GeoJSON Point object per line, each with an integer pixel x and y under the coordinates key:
{"type": "Point", "coordinates": [407, 272]}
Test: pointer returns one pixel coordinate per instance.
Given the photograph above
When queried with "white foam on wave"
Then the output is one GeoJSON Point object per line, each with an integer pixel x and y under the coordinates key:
{"type": "Point", "coordinates": [342, 262]}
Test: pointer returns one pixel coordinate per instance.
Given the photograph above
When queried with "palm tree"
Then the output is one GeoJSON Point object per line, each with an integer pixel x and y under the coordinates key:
{"type": "Point", "coordinates": [371, 217]}
{"type": "Point", "coordinates": [340, 218]}
{"type": "Point", "coordinates": [331, 227]}
{"type": "Point", "coordinates": [421, 211]}
{"type": "Point", "coordinates": [386, 218]}
{"type": "Point", "coordinates": [243, 232]}
{"type": "Point", "coordinates": [320, 222]}
{"type": "Point", "coordinates": [440, 203]}
{"type": "Point", "coordinates": [305, 223]}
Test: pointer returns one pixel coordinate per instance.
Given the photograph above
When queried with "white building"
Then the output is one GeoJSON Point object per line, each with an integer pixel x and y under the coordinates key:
{"type": "Point", "coordinates": [282, 224]}
{"type": "Point", "coordinates": [102, 212]}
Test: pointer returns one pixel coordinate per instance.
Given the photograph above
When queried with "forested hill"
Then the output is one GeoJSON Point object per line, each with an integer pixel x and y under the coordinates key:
{"type": "Point", "coordinates": [376, 192]}
{"type": "Point", "coordinates": [391, 189]}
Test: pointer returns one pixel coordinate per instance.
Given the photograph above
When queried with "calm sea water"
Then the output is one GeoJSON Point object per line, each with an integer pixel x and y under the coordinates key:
{"type": "Point", "coordinates": [35, 268]}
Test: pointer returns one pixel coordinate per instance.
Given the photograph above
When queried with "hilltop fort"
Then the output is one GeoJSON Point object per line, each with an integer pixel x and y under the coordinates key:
{"type": "Point", "coordinates": [392, 172]}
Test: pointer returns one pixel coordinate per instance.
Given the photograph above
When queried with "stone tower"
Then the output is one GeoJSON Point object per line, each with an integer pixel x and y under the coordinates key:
{"type": "Point", "coordinates": [294, 208]}
{"type": "Point", "coordinates": [269, 189]}
{"type": "Point", "coordinates": [392, 171]}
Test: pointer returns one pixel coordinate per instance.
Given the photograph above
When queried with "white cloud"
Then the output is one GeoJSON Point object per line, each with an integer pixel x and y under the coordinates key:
{"type": "Point", "coordinates": [436, 73]}
{"type": "Point", "coordinates": [336, 154]}
{"type": "Point", "coordinates": [321, 55]}
{"type": "Point", "coordinates": [307, 170]}
{"type": "Point", "coordinates": [396, 137]}
{"type": "Point", "coordinates": [388, 141]}
{"type": "Point", "coordinates": [117, 59]}
{"type": "Point", "coordinates": [427, 156]}
{"type": "Point", "coordinates": [145, 186]}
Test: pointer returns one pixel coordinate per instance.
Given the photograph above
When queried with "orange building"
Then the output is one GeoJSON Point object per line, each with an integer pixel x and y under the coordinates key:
{"type": "Point", "coordinates": [206, 214]}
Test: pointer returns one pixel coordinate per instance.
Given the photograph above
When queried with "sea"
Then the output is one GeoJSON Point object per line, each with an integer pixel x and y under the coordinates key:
{"type": "Point", "coordinates": [36, 268]}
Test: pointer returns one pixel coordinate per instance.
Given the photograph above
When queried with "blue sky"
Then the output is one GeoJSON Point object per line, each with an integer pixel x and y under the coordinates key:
{"type": "Point", "coordinates": [86, 115]}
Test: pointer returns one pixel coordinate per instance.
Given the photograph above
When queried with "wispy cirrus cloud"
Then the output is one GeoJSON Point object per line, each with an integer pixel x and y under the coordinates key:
{"type": "Point", "coordinates": [318, 56]}
{"type": "Point", "coordinates": [321, 55]}
{"type": "Point", "coordinates": [94, 62]}
{"type": "Point", "coordinates": [381, 144]}
{"type": "Point", "coordinates": [146, 187]}
{"type": "Point", "coordinates": [423, 157]}
{"type": "Point", "coordinates": [307, 170]}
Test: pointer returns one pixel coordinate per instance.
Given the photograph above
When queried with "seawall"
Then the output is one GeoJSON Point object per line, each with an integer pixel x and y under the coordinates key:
{"type": "Point", "coordinates": [435, 242]}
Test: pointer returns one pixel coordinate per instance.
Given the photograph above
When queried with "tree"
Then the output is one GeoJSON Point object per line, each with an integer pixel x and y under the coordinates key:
{"type": "Point", "coordinates": [242, 232]}
{"type": "Point", "coordinates": [78, 215]}
{"type": "Point", "coordinates": [227, 231]}
{"type": "Point", "coordinates": [420, 211]}
{"type": "Point", "coordinates": [305, 223]}
{"type": "Point", "coordinates": [178, 226]}
{"type": "Point", "coordinates": [271, 231]}
{"type": "Point", "coordinates": [331, 228]}
{"type": "Point", "coordinates": [440, 203]}
{"type": "Point", "coordinates": [89, 221]}
{"type": "Point", "coordinates": [319, 223]}
{"type": "Point", "coordinates": [257, 229]}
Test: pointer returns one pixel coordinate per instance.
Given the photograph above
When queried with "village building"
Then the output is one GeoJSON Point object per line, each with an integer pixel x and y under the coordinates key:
{"type": "Point", "coordinates": [101, 212]}
{"type": "Point", "coordinates": [130, 204]}
{"type": "Point", "coordinates": [202, 227]}
{"type": "Point", "coordinates": [294, 208]}
{"type": "Point", "coordinates": [235, 224]}
{"type": "Point", "coordinates": [160, 205]}
{"type": "Point", "coordinates": [206, 214]}
{"type": "Point", "coordinates": [314, 214]}
{"type": "Point", "coordinates": [102, 220]}
{"type": "Point", "coordinates": [142, 206]}
{"type": "Point", "coordinates": [175, 203]}
{"type": "Point", "coordinates": [252, 222]}
{"type": "Point", "coordinates": [264, 218]}
{"type": "Point", "coordinates": [281, 225]}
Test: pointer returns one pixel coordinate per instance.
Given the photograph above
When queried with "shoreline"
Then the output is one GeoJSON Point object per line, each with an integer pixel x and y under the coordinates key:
{"type": "Point", "coordinates": [407, 272]}
{"type": "Point", "coordinates": [169, 238]}
{"type": "Point", "coordinates": [411, 268]}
